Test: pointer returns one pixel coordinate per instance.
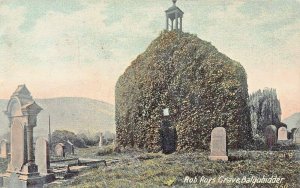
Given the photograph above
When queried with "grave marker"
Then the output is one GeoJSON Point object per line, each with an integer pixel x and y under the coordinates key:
{"type": "Point", "coordinates": [296, 137]}
{"type": "Point", "coordinates": [270, 135]}
{"type": "Point", "coordinates": [18, 154]}
{"type": "Point", "coordinates": [282, 133]}
{"type": "Point", "coordinates": [42, 155]}
{"type": "Point", "coordinates": [4, 149]}
{"type": "Point", "coordinates": [218, 144]}
{"type": "Point", "coordinates": [69, 147]}
{"type": "Point", "coordinates": [60, 150]}
{"type": "Point", "coordinates": [101, 140]}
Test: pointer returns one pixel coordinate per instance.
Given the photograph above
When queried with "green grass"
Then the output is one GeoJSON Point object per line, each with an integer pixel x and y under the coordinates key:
{"type": "Point", "coordinates": [139, 169]}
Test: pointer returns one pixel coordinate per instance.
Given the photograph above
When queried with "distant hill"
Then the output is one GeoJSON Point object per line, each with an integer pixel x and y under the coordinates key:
{"type": "Point", "coordinates": [69, 113]}
{"type": "Point", "coordinates": [293, 121]}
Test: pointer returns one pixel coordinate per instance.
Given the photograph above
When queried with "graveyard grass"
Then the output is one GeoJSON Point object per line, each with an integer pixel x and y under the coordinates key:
{"type": "Point", "coordinates": [141, 169]}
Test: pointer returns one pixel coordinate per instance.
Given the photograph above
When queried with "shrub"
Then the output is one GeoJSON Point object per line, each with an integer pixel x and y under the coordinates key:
{"type": "Point", "coordinates": [105, 151]}
{"type": "Point", "coordinates": [62, 136]}
{"type": "Point", "coordinates": [89, 139]}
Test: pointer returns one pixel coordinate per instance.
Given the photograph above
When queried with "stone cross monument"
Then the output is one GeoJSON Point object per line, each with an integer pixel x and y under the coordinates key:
{"type": "Point", "coordinates": [174, 14]}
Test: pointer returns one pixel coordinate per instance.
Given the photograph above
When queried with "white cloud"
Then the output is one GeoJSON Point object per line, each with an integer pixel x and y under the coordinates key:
{"type": "Point", "coordinates": [10, 46]}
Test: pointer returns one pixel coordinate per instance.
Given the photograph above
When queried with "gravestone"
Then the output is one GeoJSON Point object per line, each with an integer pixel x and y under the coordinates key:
{"type": "Point", "coordinates": [42, 155]}
{"type": "Point", "coordinates": [18, 155]}
{"type": "Point", "coordinates": [22, 113]}
{"type": "Point", "coordinates": [60, 150]}
{"type": "Point", "coordinates": [270, 136]}
{"type": "Point", "coordinates": [218, 144]}
{"type": "Point", "coordinates": [4, 149]}
{"type": "Point", "coordinates": [282, 133]}
{"type": "Point", "coordinates": [296, 137]}
{"type": "Point", "coordinates": [101, 140]}
{"type": "Point", "coordinates": [69, 147]}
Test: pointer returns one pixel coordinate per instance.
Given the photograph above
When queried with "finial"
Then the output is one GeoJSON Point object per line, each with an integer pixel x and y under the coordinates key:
{"type": "Point", "coordinates": [174, 2]}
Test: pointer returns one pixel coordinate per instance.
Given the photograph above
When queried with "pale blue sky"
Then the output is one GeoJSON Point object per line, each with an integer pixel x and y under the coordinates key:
{"type": "Point", "coordinates": [80, 48]}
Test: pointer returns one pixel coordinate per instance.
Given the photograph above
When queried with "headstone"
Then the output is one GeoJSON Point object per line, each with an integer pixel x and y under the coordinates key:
{"type": "Point", "coordinates": [296, 137]}
{"type": "Point", "coordinates": [282, 133]}
{"type": "Point", "coordinates": [270, 136]}
{"type": "Point", "coordinates": [42, 155]}
{"type": "Point", "coordinates": [60, 150]}
{"type": "Point", "coordinates": [4, 149]}
{"type": "Point", "coordinates": [69, 147]}
{"type": "Point", "coordinates": [17, 146]}
{"type": "Point", "coordinates": [218, 144]}
{"type": "Point", "coordinates": [22, 113]}
{"type": "Point", "coordinates": [100, 140]}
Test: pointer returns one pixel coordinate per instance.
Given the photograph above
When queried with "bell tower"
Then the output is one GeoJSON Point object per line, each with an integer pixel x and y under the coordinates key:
{"type": "Point", "coordinates": [174, 14]}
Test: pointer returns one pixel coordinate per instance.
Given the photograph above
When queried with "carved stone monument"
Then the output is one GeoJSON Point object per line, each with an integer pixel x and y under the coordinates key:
{"type": "Point", "coordinates": [4, 149]}
{"type": "Point", "coordinates": [69, 147]}
{"type": "Point", "coordinates": [101, 140]}
{"type": "Point", "coordinates": [60, 150]}
{"type": "Point", "coordinates": [42, 159]}
{"type": "Point", "coordinates": [22, 113]}
{"type": "Point", "coordinates": [282, 133]}
{"type": "Point", "coordinates": [218, 144]}
{"type": "Point", "coordinates": [42, 155]}
{"type": "Point", "coordinates": [296, 141]}
{"type": "Point", "coordinates": [18, 139]}
{"type": "Point", "coordinates": [270, 136]}
{"type": "Point", "coordinates": [296, 137]}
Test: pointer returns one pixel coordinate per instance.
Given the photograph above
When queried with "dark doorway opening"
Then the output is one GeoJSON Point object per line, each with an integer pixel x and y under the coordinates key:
{"type": "Point", "coordinates": [168, 137]}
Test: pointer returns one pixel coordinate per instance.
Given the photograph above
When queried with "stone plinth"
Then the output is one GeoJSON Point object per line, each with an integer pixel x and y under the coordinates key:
{"type": "Point", "coordinates": [15, 180]}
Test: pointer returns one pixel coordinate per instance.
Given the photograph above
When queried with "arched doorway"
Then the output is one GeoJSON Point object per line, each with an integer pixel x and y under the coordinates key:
{"type": "Point", "coordinates": [168, 136]}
